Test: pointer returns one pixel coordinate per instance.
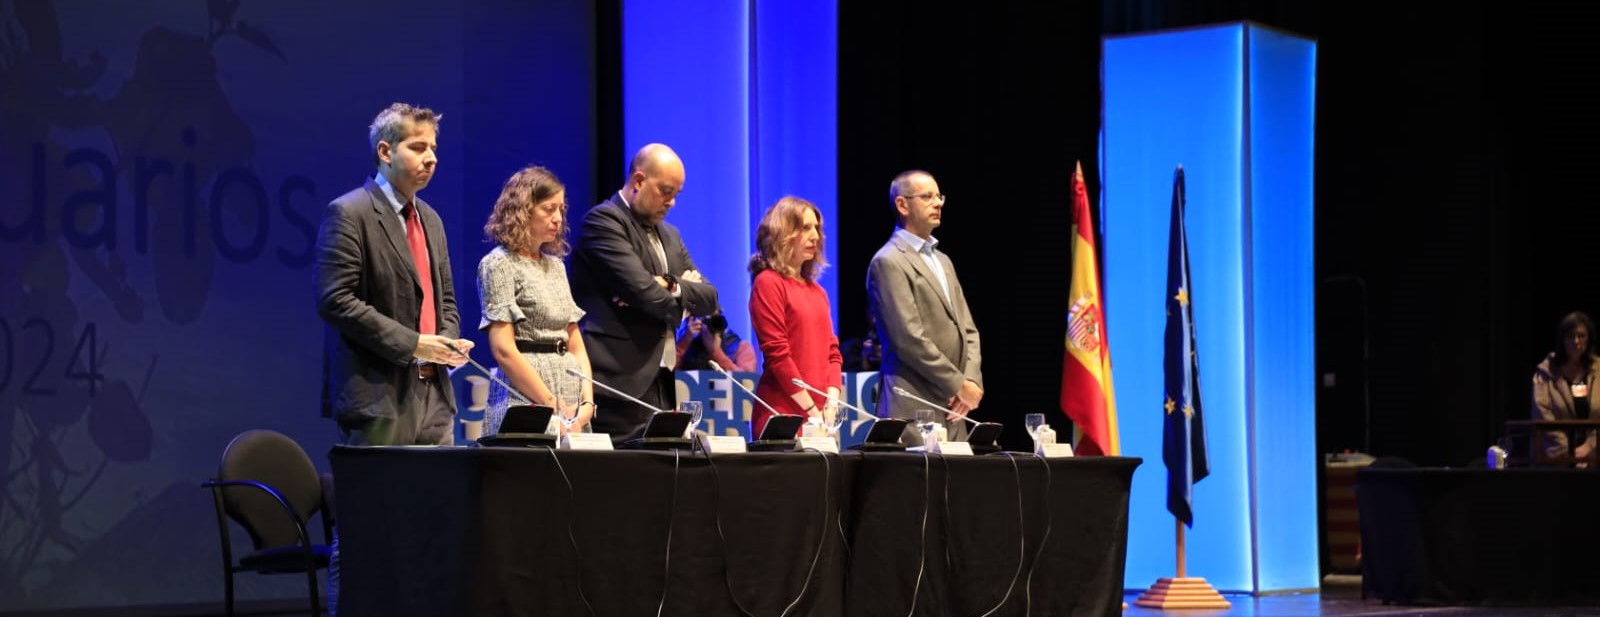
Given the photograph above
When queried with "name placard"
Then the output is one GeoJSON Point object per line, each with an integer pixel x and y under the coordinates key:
{"type": "Point", "coordinates": [954, 448]}
{"type": "Point", "coordinates": [823, 444]}
{"type": "Point", "coordinates": [723, 444]}
{"type": "Point", "coordinates": [1054, 450]}
{"type": "Point", "coordinates": [586, 441]}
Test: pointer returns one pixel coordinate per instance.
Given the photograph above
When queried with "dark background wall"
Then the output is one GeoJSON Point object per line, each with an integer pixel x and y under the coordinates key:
{"type": "Point", "coordinates": [1452, 228]}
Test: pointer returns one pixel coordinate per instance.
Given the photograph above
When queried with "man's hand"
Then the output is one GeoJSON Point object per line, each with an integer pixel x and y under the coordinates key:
{"type": "Point", "coordinates": [436, 349]}
{"type": "Point", "coordinates": [693, 276]}
{"type": "Point", "coordinates": [966, 399]}
{"type": "Point", "coordinates": [663, 283]}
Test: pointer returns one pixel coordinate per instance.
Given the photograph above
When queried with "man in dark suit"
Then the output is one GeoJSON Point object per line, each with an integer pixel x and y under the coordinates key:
{"type": "Point", "coordinates": [930, 344]}
{"type": "Point", "coordinates": [384, 286]}
{"type": "Point", "coordinates": [635, 281]}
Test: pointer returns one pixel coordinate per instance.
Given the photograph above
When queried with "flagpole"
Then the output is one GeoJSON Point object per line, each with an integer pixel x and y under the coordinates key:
{"type": "Point", "coordinates": [1183, 453]}
{"type": "Point", "coordinates": [1181, 592]}
{"type": "Point", "coordinates": [1182, 550]}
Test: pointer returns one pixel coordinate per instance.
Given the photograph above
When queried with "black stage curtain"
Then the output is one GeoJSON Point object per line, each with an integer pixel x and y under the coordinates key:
{"type": "Point", "coordinates": [1479, 536]}
{"type": "Point", "coordinates": [485, 531]}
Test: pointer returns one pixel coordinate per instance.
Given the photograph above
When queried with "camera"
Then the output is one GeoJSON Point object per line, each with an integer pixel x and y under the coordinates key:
{"type": "Point", "coordinates": [716, 324]}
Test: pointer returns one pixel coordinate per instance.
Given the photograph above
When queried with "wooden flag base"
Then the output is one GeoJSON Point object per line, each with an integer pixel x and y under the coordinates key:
{"type": "Point", "coordinates": [1183, 592]}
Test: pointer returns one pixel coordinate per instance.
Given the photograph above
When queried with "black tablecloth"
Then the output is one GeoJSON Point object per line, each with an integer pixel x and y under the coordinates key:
{"type": "Point", "coordinates": [491, 531]}
{"type": "Point", "coordinates": [1480, 536]}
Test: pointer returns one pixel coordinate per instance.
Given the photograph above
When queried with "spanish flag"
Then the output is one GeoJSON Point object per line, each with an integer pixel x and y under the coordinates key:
{"type": "Point", "coordinates": [1086, 394]}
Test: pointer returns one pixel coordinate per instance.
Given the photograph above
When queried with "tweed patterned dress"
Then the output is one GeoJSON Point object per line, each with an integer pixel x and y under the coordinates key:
{"type": "Point", "coordinates": [533, 296]}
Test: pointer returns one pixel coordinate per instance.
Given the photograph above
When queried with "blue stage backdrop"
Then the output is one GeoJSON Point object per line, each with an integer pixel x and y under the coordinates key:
{"type": "Point", "coordinates": [745, 91]}
{"type": "Point", "coordinates": [164, 166]}
{"type": "Point", "coordinates": [1234, 106]}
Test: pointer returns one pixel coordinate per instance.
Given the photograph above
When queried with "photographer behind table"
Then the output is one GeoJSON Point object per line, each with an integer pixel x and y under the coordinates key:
{"type": "Point", "coordinates": [703, 341]}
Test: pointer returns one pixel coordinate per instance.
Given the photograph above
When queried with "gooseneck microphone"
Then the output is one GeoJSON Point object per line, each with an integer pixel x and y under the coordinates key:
{"type": "Point", "coordinates": [902, 392]}
{"type": "Point", "coordinates": [579, 374]}
{"type": "Point", "coordinates": [752, 393]}
{"type": "Point", "coordinates": [490, 374]}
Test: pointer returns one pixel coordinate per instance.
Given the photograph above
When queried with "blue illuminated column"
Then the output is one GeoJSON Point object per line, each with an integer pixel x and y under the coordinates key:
{"type": "Point", "coordinates": [745, 92]}
{"type": "Point", "coordinates": [1234, 105]}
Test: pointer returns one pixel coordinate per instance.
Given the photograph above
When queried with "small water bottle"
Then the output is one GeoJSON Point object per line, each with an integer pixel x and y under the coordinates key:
{"type": "Point", "coordinates": [1496, 457]}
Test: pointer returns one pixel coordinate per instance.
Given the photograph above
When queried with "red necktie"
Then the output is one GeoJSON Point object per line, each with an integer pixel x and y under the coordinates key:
{"type": "Point", "coordinates": [426, 322]}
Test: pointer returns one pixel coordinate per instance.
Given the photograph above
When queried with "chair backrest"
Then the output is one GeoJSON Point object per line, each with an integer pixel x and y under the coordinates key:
{"type": "Point", "coordinates": [271, 458]}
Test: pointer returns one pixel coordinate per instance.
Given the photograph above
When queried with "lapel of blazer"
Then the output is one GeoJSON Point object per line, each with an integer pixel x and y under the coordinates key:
{"type": "Point", "coordinates": [911, 256]}
{"type": "Point", "coordinates": [640, 239]}
{"type": "Point", "coordinates": [390, 222]}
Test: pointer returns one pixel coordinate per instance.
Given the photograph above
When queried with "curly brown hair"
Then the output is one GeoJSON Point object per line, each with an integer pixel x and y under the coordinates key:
{"type": "Point", "coordinates": [775, 240]}
{"type": "Point", "coordinates": [508, 223]}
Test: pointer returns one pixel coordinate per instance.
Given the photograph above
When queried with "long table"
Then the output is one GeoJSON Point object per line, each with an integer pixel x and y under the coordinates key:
{"type": "Point", "coordinates": [1479, 536]}
{"type": "Point", "coordinates": [501, 531]}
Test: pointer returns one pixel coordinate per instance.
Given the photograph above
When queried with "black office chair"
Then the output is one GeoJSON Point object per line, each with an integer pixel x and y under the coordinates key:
{"type": "Point", "coordinates": [267, 485]}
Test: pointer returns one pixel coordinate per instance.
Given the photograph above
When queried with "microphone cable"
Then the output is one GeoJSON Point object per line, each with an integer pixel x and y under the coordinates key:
{"type": "Point", "coordinates": [822, 530]}
{"type": "Point", "coordinates": [822, 535]}
{"type": "Point", "coordinates": [1048, 520]}
{"type": "Point", "coordinates": [1022, 539]}
{"type": "Point", "coordinates": [577, 555]}
{"type": "Point", "coordinates": [666, 559]}
{"type": "Point", "coordinates": [922, 561]}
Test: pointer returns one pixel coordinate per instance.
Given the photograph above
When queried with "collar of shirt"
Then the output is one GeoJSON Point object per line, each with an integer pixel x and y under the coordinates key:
{"type": "Point", "coordinates": [388, 191]}
{"type": "Point", "coordinates": [926, 247]}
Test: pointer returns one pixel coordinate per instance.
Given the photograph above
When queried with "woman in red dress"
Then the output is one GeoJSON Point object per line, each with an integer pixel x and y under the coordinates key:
{"type": "Point", "coordinates": [790, 314]}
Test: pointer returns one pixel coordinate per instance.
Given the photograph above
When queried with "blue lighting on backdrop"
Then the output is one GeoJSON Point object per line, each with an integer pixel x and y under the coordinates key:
{"type": "Point", "coordinates": [1180, 98]}
{"type": "Point", "coordinates": [1283, 279]}
{"type": "Point", "coordinates": [745, 91]}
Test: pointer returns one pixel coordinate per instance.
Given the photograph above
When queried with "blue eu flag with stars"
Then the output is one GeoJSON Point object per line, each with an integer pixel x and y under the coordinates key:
{"type": "Point", "coordinates": [1183, 442]}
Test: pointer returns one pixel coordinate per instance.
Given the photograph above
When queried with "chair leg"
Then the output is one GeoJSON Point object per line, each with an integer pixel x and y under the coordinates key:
{"type": "Point", "coordinates": [311, 583]}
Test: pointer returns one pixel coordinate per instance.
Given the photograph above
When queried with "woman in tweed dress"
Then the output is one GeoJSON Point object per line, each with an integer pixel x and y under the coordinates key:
{"type": "Point", "coordinates": [528, 311]}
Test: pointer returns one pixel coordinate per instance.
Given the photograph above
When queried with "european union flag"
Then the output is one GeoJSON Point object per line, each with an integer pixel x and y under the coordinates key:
{"type": "Point", "coordinates": [1183, 443]}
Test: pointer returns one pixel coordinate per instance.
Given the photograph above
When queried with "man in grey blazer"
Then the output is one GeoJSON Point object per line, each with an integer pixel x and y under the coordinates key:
{"type": "Point", "coordinates": [384, 288]}
{"type": "Point", "coordinates": [930, 345]}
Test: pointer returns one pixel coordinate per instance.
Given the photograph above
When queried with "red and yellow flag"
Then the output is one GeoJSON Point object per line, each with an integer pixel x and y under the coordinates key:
{"type": "Point", "coordinates": [1086, 393]}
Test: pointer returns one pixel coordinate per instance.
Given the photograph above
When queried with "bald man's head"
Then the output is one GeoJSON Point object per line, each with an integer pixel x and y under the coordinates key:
{"type": "Point", "coordinates": [655, 177]}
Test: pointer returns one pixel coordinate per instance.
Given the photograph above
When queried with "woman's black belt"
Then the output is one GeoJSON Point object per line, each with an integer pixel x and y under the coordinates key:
{"type": "Point", "coordinates": [557, 347]}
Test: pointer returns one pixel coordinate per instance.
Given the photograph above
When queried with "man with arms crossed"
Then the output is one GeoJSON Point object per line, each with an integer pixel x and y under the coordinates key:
{"type": "Point", "coordinates": [634, 279]}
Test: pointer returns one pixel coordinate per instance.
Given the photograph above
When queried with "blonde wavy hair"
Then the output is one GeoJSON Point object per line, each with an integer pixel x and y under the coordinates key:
{"type": "Point", "coordinates": [777, 236]}
{"type": "Point", "coordinates": [513, 211]}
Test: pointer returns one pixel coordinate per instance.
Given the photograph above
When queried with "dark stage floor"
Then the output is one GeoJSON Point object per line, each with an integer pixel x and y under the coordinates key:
{"type": "Point", "coordinates": [1341, 596]}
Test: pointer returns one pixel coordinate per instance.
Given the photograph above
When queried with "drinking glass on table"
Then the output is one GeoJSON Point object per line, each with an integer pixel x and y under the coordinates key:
{"type": "Point", "coordinates": [924, 418]}
{"type": "Point", "coordinates": [1033, 422]}
{"type": "Point", "coordinates": [696, 413]}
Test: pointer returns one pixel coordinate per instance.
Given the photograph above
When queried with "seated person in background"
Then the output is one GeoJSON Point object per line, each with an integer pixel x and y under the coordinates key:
{"type": "Point", "coordinates": [864, 353]}
{"type": "Point", "coordinates": [1563, 385]}
{"type": "Point", "coordinates": [703, 341]}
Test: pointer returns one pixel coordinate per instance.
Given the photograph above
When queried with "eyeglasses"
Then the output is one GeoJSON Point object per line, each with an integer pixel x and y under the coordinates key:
{"type": "Point", "coordinates": [940, 197]}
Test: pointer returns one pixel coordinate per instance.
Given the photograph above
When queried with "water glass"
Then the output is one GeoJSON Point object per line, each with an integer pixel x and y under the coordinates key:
{"type": "Point", "coordinates": [925, 422]}
{"type": "Point", "coordinates": [696, 412]}
{"type": "Point", "coordinates": [1034, 421]}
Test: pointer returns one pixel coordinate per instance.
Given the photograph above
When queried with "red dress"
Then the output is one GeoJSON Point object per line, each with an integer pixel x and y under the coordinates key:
{"type": "Point", "coordinates": [794, 328]}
